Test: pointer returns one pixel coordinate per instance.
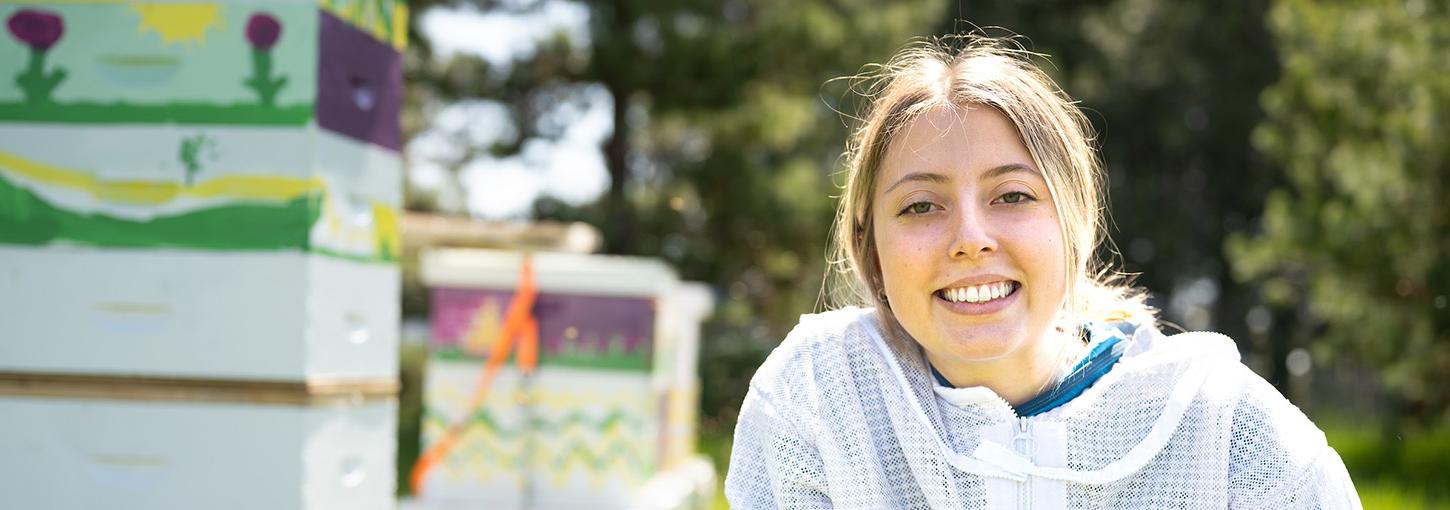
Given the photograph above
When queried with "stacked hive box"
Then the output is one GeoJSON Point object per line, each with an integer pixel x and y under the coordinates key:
{"type": "Point", "coordinates": [608, 419]}
{"type": "Point", "coordinates": [198, 245]}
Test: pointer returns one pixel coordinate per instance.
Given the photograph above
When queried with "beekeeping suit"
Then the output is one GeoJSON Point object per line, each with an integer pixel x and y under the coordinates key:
{"type": "Point", "coordinates": [839, 416]}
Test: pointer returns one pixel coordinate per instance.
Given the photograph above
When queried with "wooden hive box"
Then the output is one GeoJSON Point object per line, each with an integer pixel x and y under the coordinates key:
{"type": "Point", "coordinates": [73, 443]}
{"type": "Point", "coordinates": [612, 405]}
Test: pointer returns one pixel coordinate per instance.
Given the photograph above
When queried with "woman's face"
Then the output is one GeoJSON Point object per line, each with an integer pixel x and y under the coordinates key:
{"type": "Point", "coordinates": [971, 253]}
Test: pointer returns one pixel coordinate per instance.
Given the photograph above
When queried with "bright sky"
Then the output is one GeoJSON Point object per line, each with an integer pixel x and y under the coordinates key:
{"type": "Point", "coordinates": [572, 169]}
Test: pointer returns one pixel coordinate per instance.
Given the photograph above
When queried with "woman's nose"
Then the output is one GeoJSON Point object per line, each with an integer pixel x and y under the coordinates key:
{"type": "Point", "coordinates": [973, 236]}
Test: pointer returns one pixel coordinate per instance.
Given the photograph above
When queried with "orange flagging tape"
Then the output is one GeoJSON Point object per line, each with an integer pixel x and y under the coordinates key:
{"type": "Point", "coordinates": [519, 326]}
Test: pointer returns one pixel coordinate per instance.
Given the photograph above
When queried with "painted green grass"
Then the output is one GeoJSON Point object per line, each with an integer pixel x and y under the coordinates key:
{"type": "Point", "coordinates": [28, 219]}
{"type": "Point", "coordinates": [629, 362]}
{"type": "Point", "coordinates": [249, 114]}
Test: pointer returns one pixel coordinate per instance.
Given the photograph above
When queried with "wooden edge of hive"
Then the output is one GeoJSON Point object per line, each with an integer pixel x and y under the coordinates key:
{"type": "Point", "coordinates": [112, 387]}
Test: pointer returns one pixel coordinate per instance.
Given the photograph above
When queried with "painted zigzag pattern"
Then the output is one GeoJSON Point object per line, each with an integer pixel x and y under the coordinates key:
{"type": "Point", "coordinates": [609, 447]}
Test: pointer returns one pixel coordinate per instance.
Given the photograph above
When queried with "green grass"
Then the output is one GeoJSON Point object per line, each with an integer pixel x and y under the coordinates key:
{"type": "Point", "coordinates": [1406, 470]}
{"type": "Point", "coordinates": [715, 440]}
{"type": "Point", "coordinates": [1389, 495]}
{"type": "Point", "coordinates": [413, 360]}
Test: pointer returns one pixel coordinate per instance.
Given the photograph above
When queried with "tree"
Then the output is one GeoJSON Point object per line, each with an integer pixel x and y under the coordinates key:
{"type": "Point", "coordinates": [1171, 89]}
{"type": "Point", "coordinates": [724, 141]}
{"type": "Point", "coordinates": [1360, 236]}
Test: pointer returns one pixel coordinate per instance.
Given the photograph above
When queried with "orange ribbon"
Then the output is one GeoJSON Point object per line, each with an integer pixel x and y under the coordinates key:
{"type": "Point", "coordinates": [519, 326]}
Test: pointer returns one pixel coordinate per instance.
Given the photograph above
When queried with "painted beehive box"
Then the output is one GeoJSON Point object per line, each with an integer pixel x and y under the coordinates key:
{"type": "Point", "coordinates": [603, 412]}
{"type": "Point", "coordinates": [203, 189]}
{"type": "Point", "coordinates": [232, 62]}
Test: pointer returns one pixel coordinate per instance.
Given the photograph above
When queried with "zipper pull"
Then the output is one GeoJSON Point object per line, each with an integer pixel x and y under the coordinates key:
{"type": "Point", "coordinates": [1022, 442]}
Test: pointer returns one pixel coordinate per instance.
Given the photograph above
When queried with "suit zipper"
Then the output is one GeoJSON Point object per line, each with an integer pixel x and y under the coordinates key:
{"type": "Point", "coordinates": [1023, 444]}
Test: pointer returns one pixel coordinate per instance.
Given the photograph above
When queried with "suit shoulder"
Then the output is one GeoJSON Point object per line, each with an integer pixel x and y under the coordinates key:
{"type": "Point", "coordinates": [817, 341]}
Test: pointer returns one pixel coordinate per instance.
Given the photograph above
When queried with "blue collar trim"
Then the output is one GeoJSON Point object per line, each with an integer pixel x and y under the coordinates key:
{"type": "Point", "coordinates": [1106, 342]}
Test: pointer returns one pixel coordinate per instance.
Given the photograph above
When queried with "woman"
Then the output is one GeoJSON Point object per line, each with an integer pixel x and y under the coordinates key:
{"type": "Point", "coordinates": [999, 366]}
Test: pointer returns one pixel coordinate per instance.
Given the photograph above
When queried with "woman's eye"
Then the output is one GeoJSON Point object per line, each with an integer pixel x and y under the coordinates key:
{"type": "Point", "coordinates": [917, 208]}
{"type": "Point", "coordinates": [1013, 197]}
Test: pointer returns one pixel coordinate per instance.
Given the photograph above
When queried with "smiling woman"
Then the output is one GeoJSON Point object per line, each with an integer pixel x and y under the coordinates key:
{"type": "Point", "coordinates": [997, 364]}
{"type": "Point", "coordinates": [972, 262]}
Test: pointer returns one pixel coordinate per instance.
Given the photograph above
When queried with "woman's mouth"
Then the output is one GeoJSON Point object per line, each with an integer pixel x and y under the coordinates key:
{"type": "Point", "coordinates": [979, 299]}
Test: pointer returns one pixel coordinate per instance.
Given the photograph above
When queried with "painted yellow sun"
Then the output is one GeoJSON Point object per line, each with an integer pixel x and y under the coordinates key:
{"type": "Point", "coordinates": [178, 22]}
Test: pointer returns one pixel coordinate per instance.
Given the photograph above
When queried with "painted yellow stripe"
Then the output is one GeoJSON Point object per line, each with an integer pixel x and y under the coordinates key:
{"type": "Point", "coordinates": [135, 192]}
{"type": "Point", "coordinates": [255, 186]}
{"type": "Point", "coordinates": [265, 187]}
{"type": "Point", "coordinates": [46, 174]}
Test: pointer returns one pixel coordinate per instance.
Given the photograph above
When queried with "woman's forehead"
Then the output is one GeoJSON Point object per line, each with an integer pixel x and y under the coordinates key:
{"type": "Point", "coordinates": [944, 144]}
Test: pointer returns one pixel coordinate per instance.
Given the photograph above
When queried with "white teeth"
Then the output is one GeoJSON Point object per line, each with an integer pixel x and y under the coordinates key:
{"type": "Point", "coordinates": [978, 293]}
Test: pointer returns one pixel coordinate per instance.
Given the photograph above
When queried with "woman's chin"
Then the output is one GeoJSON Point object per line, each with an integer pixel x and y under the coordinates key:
{"type": "Point", "coordinates": [983, 343]}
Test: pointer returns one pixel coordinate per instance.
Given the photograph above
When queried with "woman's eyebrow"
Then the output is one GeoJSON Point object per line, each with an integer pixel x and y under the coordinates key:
{"type": "Point", "coordinates": [1007, 169]}
{"type": "Point", "coordinates": [934, 178]}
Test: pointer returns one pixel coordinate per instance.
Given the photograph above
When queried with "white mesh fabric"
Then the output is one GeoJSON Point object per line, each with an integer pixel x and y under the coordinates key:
{"type": "Point", "coordinates": [840, 417]}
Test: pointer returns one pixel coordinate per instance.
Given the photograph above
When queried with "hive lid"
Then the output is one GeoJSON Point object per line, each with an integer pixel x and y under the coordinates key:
{"type": "Point", "coordinates": [564, 273]}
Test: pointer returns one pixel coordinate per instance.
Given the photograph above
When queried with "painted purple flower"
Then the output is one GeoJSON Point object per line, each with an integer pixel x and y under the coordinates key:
{"type": "Point", "coordinates": [263, 31]}
{"type": "Point", "coordinates": [37, 29]}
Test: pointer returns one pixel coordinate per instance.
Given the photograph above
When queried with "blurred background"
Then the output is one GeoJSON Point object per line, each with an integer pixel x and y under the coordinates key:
{"type": "Point", "coordinates": [1278, 172]}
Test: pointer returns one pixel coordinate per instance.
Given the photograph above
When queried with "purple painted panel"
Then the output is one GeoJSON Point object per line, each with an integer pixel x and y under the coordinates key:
{"type": "Point", "coordinates": [569, 324]}
{"type": "Point", "coordinates": [359, 84]}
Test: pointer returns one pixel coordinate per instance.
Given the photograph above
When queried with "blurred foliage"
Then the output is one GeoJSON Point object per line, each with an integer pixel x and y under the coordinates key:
{"type": "Point", "coordinates": [1359, 239]}
{"type": "Point", "coordinates": [1171, 89]}
{"type": "Point", "coordinates": [725, 144]}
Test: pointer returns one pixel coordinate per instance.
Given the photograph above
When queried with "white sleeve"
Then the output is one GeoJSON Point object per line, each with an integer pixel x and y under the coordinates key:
{"type": "Point", "coordinates": [1279, 459]}
{"type": "Point", "coordinates": [773, 465]}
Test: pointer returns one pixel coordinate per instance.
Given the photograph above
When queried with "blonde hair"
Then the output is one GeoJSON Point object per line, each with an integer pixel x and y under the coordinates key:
{"type": "Point", "coordinates": [993, 72]}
